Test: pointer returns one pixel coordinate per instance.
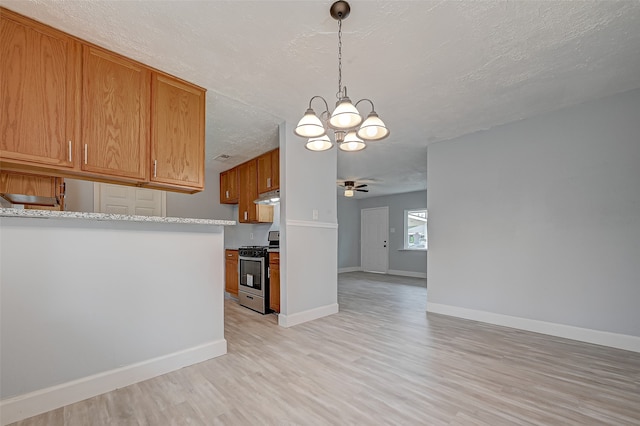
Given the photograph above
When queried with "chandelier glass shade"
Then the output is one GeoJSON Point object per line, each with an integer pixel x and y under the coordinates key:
{"type": "Point", "coordinates": [351, 133]}
{"type": "Point", "coordinates": [310, 125]}
{"type": "Point", "coordinates": [352, 143]}
{"type": "Point", "coordinates": [321, 143]}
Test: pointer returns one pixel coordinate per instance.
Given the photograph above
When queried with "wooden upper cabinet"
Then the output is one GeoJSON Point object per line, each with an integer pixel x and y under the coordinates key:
{"type": "Point", "coordinates": [72, 109]}
{"type": "Point", "coordinates": [248, 211]}
{"type": "Point", "coordinates": [115, 114]}
{"type": "Point", "coordinates": [269, 171]}
{"type": "Point", "coordinates": [177, 134]}
{"type": "Point", "coordinates": [275, 168]}
{"type": "Point", "coordinates": [229, 186]}
{"type": "Point", "coordinates": [39, 67]}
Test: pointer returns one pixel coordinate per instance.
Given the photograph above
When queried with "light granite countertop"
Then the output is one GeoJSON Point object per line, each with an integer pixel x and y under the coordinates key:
{"type": "Point", "coordinates": [52, 214]}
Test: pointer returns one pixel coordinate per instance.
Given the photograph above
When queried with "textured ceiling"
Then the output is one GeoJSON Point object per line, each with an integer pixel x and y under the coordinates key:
{"type": "Point", "coordinates": [434, 69]}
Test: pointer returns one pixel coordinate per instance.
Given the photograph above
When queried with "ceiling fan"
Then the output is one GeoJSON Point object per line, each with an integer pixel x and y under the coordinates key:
{"type": "Point", "coordinates": [350, 186]}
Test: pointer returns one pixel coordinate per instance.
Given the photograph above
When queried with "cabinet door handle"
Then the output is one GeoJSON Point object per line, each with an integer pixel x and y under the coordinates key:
{"type": "Point", "coordinates": [245, 215]}
{"type": "Point", "coordinates": [227, 194]}
{"type": "Point", "coordinates": [70, 151]}
{"type": "Point", "coordinates": [155, 168]}
{"type": "Point", "coordinates": [268, 182]}
{"type": "Point", "coordinates": [85, 153]}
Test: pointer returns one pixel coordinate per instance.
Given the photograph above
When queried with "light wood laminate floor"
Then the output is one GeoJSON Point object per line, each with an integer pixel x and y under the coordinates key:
{"type": "Point", "coordinates": [381, 360]}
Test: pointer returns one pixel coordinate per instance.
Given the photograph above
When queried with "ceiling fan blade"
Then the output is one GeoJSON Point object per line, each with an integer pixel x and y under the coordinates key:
{"type": "Point", "coordinates": [362, 185]}
{"type": "Point", "coordinates": [362, 190]}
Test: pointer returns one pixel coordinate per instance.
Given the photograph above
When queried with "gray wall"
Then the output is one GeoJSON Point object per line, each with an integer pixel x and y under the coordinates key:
{"type": "Point", "coordinates": [540, 219]}
{"type": "Point", "coordinates": [104, 295]}
{"type": "Point", "coordinates": [201, 205]}
{"type": "Point", "coordinates": [349, 239]}
{"type": "Point", "coordinates": [348, 232]}
{"type": "Point", "coordinates": [79, 196]}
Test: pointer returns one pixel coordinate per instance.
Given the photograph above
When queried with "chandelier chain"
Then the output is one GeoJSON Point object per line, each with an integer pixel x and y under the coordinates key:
{"type": "Point", "coordinates": [339, 94]}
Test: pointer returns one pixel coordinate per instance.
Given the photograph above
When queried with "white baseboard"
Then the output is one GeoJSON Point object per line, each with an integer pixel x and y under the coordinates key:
{"type": "Point", "coordinates": [604, 338]}
{"type": "Point", "coordinates": [310, 315]}
{"type": "Point", "coordinates": [43, 400]}
{"type": "Point", "coordinates": [407, 273]}
{"type": "Point", "coordinates": [389, 272]}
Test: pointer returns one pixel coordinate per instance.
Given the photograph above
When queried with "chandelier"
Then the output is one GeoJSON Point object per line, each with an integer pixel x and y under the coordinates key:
{"type": "Point", "coordinates": [345, 121]}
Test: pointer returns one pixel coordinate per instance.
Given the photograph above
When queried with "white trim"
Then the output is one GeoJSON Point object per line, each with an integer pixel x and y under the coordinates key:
{"type": "Point", "coordinates": [349, 269]}
{"type": "Point", "coordinates": [407, 273]}
{"type": "Point", "coordinates": [43, 400]}
{"type": "Point", "coordinates": [310, 315]}
{"type": "Point", "coordinates": [406, 229]}
{"type": "Point", "coordinates": [389, 272]}
{"type": "Point", "coordinates": [604, 338]}
{"type": "Point", "coordinates": [311, 224]}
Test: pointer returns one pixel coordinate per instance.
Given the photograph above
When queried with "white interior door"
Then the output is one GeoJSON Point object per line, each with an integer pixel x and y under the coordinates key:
{"type": "Point", "coordinates": [374, 237]}
{"type": "Point", "coordinates": [118, 199]}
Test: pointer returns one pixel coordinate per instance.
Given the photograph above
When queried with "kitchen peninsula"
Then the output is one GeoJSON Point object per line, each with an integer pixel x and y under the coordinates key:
{"type": "Point", "coordinates": [92, 302]}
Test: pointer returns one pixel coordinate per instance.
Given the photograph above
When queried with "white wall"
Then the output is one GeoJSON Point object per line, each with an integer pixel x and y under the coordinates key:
{"type": "Point", "coordinates": [89, 306]}
{"type": "Point", "coordinates": [540, 219]}
{"type": "Point", "coordinates": [309, 283]}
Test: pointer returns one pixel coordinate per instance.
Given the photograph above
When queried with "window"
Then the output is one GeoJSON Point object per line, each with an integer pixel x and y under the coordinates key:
{"type": "Point", "coordinates": [415, 229]}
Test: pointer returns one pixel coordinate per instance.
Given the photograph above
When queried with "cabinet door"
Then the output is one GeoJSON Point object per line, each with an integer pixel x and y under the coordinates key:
{"type": "Point", "coordinates": [275, 169]}
{"type": "Point", "coordinates": [231, 272]}
{"type": "Point", "coordinates": [28, 184]}
{"type": "Point", "coordinates": [177, 136]}
{"type": "Point", "coordinates": [264, 173]}
{"type": "Point", "coordinates": [38, 91]}
{"type": "Point", "coordinates": [274, 281]}
{"type": "Point", "coordinates": [115, 115]}
{"type": "Point", "coordinates": [248, 211]}
{"type": "Point", "coordinates": [248, 191]}
{"type": "Point", "coordinates": [18, 187]}
{"type": "Point", "coordinates": [229, 186]}
{"type": "Point", "coordinates": [269, 171]}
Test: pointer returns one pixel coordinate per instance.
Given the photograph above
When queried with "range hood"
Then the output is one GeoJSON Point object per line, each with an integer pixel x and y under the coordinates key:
{"type": "Point", "coordinates": [31, 200]}
{"type": "Point", "coordinates": [269, 198]}
{"type": "Point", "coordinates": [31, 189]}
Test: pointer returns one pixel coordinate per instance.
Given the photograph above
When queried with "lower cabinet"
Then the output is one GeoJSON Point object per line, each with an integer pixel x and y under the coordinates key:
{"type": "Point", "coordinates": [274, 277]}
{"type": "Point", "coordinates": [231, 271]}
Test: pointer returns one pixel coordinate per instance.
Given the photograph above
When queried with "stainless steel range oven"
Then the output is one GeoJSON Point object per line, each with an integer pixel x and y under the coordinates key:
{"type": "Point", "coordinates": [253, 288]}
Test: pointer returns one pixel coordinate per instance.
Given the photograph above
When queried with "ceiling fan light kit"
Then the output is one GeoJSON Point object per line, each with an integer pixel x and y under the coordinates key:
{"type": "Point", "coordinates": [350, 188]}
{"type": "Point", "coordinates": [346, 121]}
